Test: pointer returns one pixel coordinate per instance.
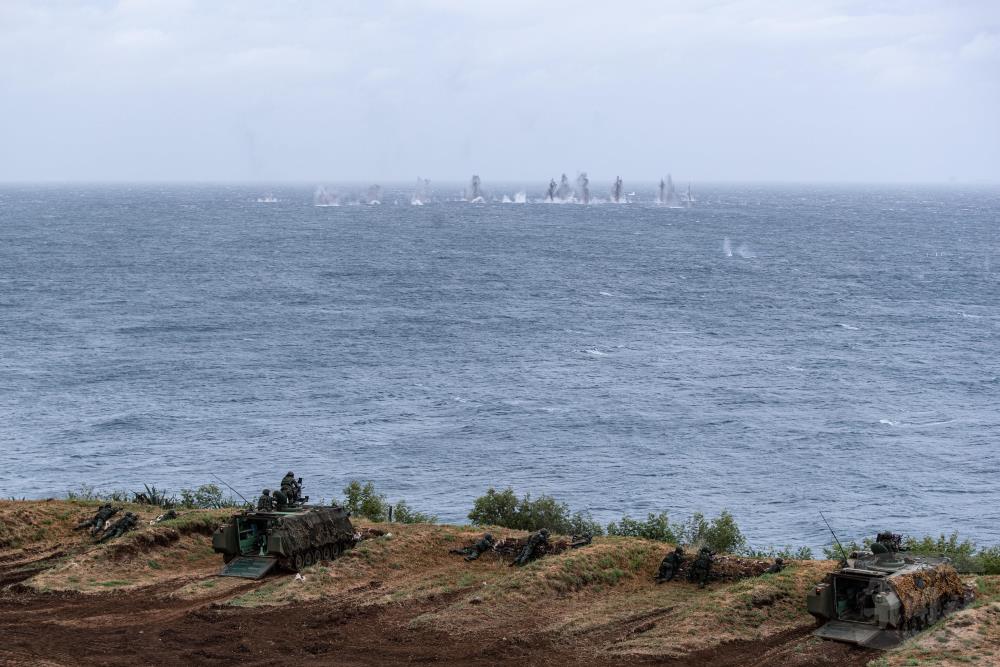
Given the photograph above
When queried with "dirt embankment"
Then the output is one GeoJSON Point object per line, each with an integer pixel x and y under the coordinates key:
{"type": "Point", "coordinates": [153, 597]}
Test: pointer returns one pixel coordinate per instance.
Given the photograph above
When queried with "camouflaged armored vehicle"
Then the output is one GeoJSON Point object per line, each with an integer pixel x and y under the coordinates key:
{"type": "Point", "coordinates": [878, 599]}
{"type": "Point", "coordinates": [256, 541]}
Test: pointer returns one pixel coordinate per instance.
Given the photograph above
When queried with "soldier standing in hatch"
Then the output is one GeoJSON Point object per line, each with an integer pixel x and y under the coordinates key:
{"type": "Point", "coordinates": [701, 567]}
{"type": "Point", "coordinates": [532, 549]}
{"type": "Point", "coordinates": [670, 565]}
{"type": "Point", "coordinates": [120, 527]}
{"type": "Point", "coordinates": [100, 519]}
{"type": "Point", "coordinates": [484, 544]}
{"type": "Point", "coordinates": [265, 503]}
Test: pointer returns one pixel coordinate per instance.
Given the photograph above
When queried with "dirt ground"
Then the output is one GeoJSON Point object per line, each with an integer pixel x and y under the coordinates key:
{"type": "Point", "coordinates": [155, 598]}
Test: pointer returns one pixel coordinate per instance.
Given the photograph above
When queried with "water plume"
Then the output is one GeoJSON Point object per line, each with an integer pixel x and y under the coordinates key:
{"type": "Point", "coordinates": [616, 191]}
{"type": "Point", "coordinates": [475, 194]}
{"type": "Point", "coordinates": [564, 191]}
{"type": "Point", "coordinates": [322, 197]}
{"type": "Point", "coordinates": [422, 193]}
{"type": "Point", "coordinates": [374, 196]}
{"type": "Point", "coordinates": [583, 187]}
{"type": "Point", "coordinates": [550, 194]}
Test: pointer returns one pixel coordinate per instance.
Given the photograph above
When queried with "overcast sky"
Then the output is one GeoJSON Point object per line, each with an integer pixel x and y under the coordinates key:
{"type": "Point", "coordinates": [825, 90]}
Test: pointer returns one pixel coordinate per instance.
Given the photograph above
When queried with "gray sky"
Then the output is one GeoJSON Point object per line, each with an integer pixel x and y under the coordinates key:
{"type": "Point", "coordinates": [875, 90]}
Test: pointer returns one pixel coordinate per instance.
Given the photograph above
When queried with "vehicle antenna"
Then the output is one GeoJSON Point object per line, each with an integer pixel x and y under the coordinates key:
{"type": "Point", "coordinates": [839, 545]}
{"type": "Point", "coordinates": [234, 490]}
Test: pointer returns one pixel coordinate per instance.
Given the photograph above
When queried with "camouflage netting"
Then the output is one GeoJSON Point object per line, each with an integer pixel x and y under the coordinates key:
{"type": "Point", "coordinates": [315, 527]}
{"type": "Point", "coordinates": [730, 568]}
{"type": "Point", "coordinates": [919, 591]}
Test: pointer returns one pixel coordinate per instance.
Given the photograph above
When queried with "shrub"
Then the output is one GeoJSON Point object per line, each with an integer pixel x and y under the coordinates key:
{"type": "Point", "coordinates": [206, 496]}
{"type": "Point", "coordinates": [402, 513]}
{"type": "Point", "coordinates": [362, 500]}
{"type": "Point", "coordinates": [503, 508]}
{"type": "Point", "coordinates": [655, 527]}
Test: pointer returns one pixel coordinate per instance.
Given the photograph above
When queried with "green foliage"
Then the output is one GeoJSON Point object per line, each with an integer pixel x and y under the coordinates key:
{"type": "Point", "coordinates": [362, 500]}
{"type": "Point", "coordinates": [655, 527]}
{"type": "Point", "coordinates": [206, 496]}
{"type": "Point", "coordinates": [721, 534]}
{"type": "Point", "coordinates": [503, 508]}
{"type": "Point", "coordinates": [989, 560]}
{"type": "Point", "coordinates": [786, 553]}
{"type": "Point", "coordinates": [402, 513]}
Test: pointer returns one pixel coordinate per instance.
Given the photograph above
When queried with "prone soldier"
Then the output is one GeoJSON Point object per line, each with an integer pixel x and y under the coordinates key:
{"type": "Point", "coordinates": [120, 527]}
{"type": "Point", "coordinates": [100, 519]}
{"type": "Point", "coordinates": [532, 549]}
{"type": "Point", "coordinates": [776, 567]}
{"type": "Point", "coordinates": [484, 544]}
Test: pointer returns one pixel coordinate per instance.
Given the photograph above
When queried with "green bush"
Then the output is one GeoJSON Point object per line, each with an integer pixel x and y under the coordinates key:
{"type": "Point", "coordinates": [206, 496]}
{"type": "Point", "coordinates": [362, 500]}
{"type": "Point", "coordinates": [655, 527]}
{"type": "Point", "coordinates": [503, 508]}
{"type": "Point", "coordinates": [989, 560]}
{"type": "Point", "coordinates": [721, 534]}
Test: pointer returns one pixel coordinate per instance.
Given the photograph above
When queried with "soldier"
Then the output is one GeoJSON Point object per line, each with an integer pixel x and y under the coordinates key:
{"type": "Point", "coordinates": [265, 503]}
{"type": "Point", "coordinates": [484, 544]}
{"type": "Point", "coordinates": [670, 565]}
{"type": "Point", "coordinates": [166, 516]}
{"type": "Point", "coordinates": [701, 567]}
{"type": "Point", "coordinates": [100, 519]}
{"type": "Point", "coordinates": [120, 527]}
{"type": "Point", "coordinates": [532, 550]}
{"type": "Point", "coordinates": [280, 500]}
{"type": "Point", "coordinates": [578, 541]}
{"type": "Point", "coordinates": [778, 566]}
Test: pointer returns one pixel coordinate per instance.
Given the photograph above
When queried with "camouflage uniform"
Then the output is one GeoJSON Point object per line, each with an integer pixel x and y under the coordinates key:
{"type": "Point", "coordinates": [484, 544]}
{"type": "Point", "coordinates": [670, 565]}
{"type": "Point", "coordinates": [265, 503]}
{"type": "Point", "coordinates": [99, 520]}
{"type": "Point", "coordinates": [778, 566]}
{"type": "Point", "coordinates": [531, 550]}
{"type": "Point", "coordinates": [280, 500]}
{"type": "Point", "coordinates": [701, 567]}
{"type": "Point", "coordinates": [120, 527]}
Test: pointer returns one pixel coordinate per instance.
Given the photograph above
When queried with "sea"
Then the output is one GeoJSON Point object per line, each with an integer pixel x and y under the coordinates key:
{"type": "Point", "coordinates": [774, 350]}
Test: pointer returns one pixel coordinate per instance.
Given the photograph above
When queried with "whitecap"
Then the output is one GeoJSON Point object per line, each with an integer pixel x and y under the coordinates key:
{"type": "Point", "coordinates": [847, 326]}
{"type": "Point", "coordinates": [596, 353]}
{"type": "Point", "coordinates": [727, 247]}
{"type": "Point", "coordinates": [605, 293]}
{"type": "Point", "coordinates": [888, 422]}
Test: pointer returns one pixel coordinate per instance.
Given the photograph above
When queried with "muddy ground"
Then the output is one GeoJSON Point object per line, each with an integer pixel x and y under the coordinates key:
{"type": "Point", "coordinates": [155, 599]}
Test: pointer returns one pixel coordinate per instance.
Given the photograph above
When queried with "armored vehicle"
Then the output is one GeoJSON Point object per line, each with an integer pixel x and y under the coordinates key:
{"type": "Point", "coordinates": [254, 542]}
{"type": "Point", "coordinates": [878, 599]}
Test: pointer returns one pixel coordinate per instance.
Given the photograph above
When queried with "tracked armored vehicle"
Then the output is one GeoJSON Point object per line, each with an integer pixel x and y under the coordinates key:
{"type": "Point", "coordinates": [254, 542]}
{"type": "Point", "coordinates": [879, 599]}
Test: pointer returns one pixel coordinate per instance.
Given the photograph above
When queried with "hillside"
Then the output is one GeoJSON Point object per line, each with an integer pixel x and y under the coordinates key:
{"type": "Point", "coordinates": [153, 596]}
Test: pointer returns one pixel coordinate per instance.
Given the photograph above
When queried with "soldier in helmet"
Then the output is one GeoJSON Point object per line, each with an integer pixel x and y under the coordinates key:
{"type": "Point", "coordinates": [670, 565]}
{"type": "Point", "coordinates": [701, 567]}
{"type": "Point", "coordinates": [100, 519]}
{"type": "Point", "coordinates": [777, 566]}
{"type": "Point", "coordinates": [533, 549]}
{"type": "Point", "coordinates": [484, 544]}
{"type": "Point", "coordinates": [280, 500]}
{"type": "Point", "coordinates": [169, 515]}
{"type": "Point", "coordinates": [120, 527]}
{"type": "Point", "coordinates": [265, 503]}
